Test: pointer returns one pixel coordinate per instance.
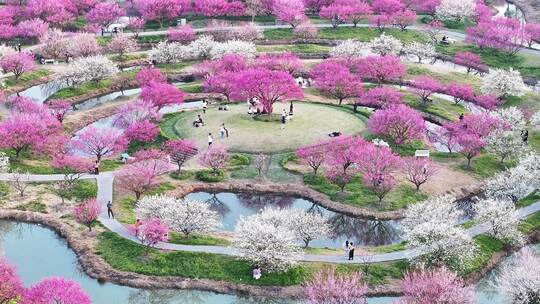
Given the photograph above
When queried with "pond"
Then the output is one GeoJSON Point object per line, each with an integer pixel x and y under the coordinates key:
{"type": "Point", "coordinates": [232, 206]}
{"type": "Point", "coordinates": [19, 243]}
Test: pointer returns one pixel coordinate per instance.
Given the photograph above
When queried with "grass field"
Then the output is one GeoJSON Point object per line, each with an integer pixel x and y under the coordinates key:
{"type": "Point", "coordinates": [310, 123]}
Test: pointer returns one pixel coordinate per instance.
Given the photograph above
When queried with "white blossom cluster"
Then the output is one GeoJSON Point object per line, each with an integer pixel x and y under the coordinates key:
{"type": "Point", "coordinates": [269, 239]}
{"type": "Point", "coordinates": [349, 48]}
{"type": "Point", "coordinates": [420, 50]}
{"type": "Point", "coordinates": [519, 281]}
{"type": "Point", "coordinates": [516, 183]}
{"type": "Point", "coordinates": [502, 83]}
{"type": "Point", "coordinates": [85, 69]}
{"type": "Point", "coordinates": [535, 119]}
{"type": "Point", "coordinates": [245, 48]}
{"type": "Point", "coordinates": [4, 162]}
{"type": "Point", "coordinates": [431, 228]}
{"type": "Point", "coordinates": [386, 45]}
{"type": "Point", "coordinates": [501, 219]}
{"type": "Point", "coordinates": [180, 215]}
{"type": "Point", "coordinates": [455, 10]}
{"type": "Point", "coordinates": [506, 144]}
{"type": "Point", "coordinates": [173, 52]}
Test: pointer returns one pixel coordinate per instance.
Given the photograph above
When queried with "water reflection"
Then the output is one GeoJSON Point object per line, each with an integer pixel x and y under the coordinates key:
{"type": "Point", "coordinates": [232, 206]}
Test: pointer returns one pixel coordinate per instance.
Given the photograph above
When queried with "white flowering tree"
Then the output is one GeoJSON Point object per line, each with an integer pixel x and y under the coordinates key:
{"type": "Point", "coordinates": [349, 48]}
{"type": "Point", "coordinates": [512, 117]}
{"type": "Point", "coordinates": [535, 119]}
{"type": "Point", "coordinates": [519, 281]}
{"type": "Point", "coordinates": [181, 215]}
{"type": "Point", "coordinates": [455, 10]}
{"type": "Point", "coordinates": [506, 144]}
{"type": "Point", "coordinates": [4, 162]}
{"type": "Point", "coordinates": [501, 219]}
{"type": "Point", "coordinates": [503, 83]}
{"type": "Point", "coordinates": [431, 228]}
{"type": "Point", "coordinates": [420, 50]}
{"type": "Point", "coordinates": [85, 69]}
{"type": "Point", "coordinates": [310, 226]}
{"type": "Point", "coordinates": [269, 246]}
{"type": "Point", "coordinates": [172, 52]}
{"type": "Point", "coordinates": [202, 46]}
{"type": "Point", "coordinates": [386, 45]}
{"type": "Point", "coordinates": [245, 48]}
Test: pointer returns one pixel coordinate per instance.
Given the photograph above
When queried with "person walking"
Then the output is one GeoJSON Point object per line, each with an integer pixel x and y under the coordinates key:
{"type": "Point", "coordinates": [109, 210]}
{"type": "Point", "coordinates": [96, 167]}
{"type": "Point", "coordinates": [525, 136]}
{"type": "Point", "coordinates": [291, 109]}
{"type": "Point", "coordinates": [210, 139]}
{"type": "Point", "coordinates": [283, 116]}
{"type": "Point", "coordinates": [461, 116]}
{"type": "Point", "coordinates": [204, 106]}
{"type": "Point", "coordinates": [137, 227]}
{"type": "Point", "coordinates": [222, 130]}
{"type": "Point", "coordinates": [257, 273]}
{"type": "Point", "coordinates": [351, 251]}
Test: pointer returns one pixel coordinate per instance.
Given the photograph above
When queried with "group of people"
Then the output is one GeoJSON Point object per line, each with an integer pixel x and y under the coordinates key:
{"type": "Point", "coordinates": [224, 132]}
{"type": "Point", "coordinates": [349, 249]}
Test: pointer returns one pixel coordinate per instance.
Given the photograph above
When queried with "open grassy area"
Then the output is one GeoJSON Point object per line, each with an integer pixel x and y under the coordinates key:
{"type": "Point", "coordinates": [359, 33]}
{"type": "Point", "coordinates": [310, 123]}
{"type": "Point", "coordinates": [192, 87]}
{"type": "Point", "coordinates": [357, 194]}
{"type": "Point", "coordinates": [485, 165]}
{"type": "Point", "coordinates": [82, 89]}
{"type": "Point", "coordinates": [26, 77]}
{"type": "Point", "coordinates": [126, 255]}
{"type": "Point", "coordinates": [443, 108]}
{"type": "Point", "coordinates": [295, 48]}
{"type": "Point", "coordinates": [416, 69]}
{"type": "Point", "coordinates": [196, 239]}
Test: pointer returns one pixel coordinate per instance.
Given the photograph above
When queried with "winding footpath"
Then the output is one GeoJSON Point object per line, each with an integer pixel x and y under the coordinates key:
{"type": "Point", "coordinates": [105, 194]}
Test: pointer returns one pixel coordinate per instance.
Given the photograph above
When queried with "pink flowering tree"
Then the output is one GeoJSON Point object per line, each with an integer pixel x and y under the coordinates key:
{"type": "Point", "coordinates": [32, 29]}
{"type": "Point", "coordinates": [381, 68]}
{"type": "Point", "coordinates": [387, 7]}
{"type": "Point", "coordinates": [136, 25]}
{"type": "Point", "coordinates": [438, 286]}
{"type": "Point", "coordinates": [471, 145]}
{"type": "Point", "coordinates": [306, 30]}
{"type": "Point", "coordinates": [227, 63]}
{"type": "Point", "coordinates": [532, 32]}
{"type": "Point", "coordinates": [161, 10]}
{"type": "Point", "coordinates": [152, 231]}
{"type": "Point", "coordinates": [215, 158]}
{"type": "Point", "coordinates": [359, 10]}
{"type": "Point", "coordinates": [223, 83]}
{"type": "Point", "coordinates": [329, 287]}
{"type": "Point", "coordinates": [381, 97]}
{"type": "Point", "coordinates": [18, 64]}
{"type": "Point", "coordinates": [162, 94]}
{"type": "Point", "coordinates": [337, 176]}
{"type": "Point", "coordinates": [148, 75]}
{"type": "Point", "coordinates": [400, 123]}
{"type": "Point", "coordinates": [290, 11]}
{"type": "Point", "coordinates": [121, 45]}
{"type": "Point", "coordinates": [337, 12]}
{"type": "Point", "coordinates": [488, 101]}
{"type": "Point", "coordinates": [267, 86]}
{"type": "Point", "coordinates": [471, 61]}
{"type": "Point", "coordinates": [105, 13]}
{"type": "Point", "coordinates": [419, 170]}
{"type": "Point", "coordinates": [180, 151]}
{"type": "Point", "coordinates": [314, 155]}
{"type": "Point", "coordinates": [183, 34]}
{"type": "Point", "coordinates": [425, 86]}
{"type": "Point", "coordinates": [135, 112]}
{"type": "Point", "coordinates": [141, 173]}
{"type": "Point", "coordinates": [433, 29]}
{"type": "Point", "coordinates": [460, 92]}
{"type": "Point", "coordinates": [316, 5]}
{"type": "Point", "coordinates": [381, 21]}
{"type": "Point", "coordinates": [446, 136]}
{"type": "Point", "coordinates": [214, 8]}
{"type": "Point", "coordinates": [58, 13]}
{"type": "Point", "coordinates": [404, 18]}
{"type": "Point", "coordinates": [99, 143]}
{"type": "Point", "coordinates": [11, 286]}
{"type": "Point", "coordinates": [342, 153]}
{"type": "Point", "coordinates": [59, 108]}
{"type": "Point", "coordinates": [505, 34]}
{"type": "Point", "coordinates": [73, 168]}
{"type": "Point", "coordinates": [287, 62]}
{"type": "Point", "coordinates": [56, 290]}
{"type": "Point", "coordinates": [377, 165]}
{"type": "Point", "coordinates": [142, 131]}
{"type": "Point", "coordinates": [335, 80]}
{"type": "Point", "coordinates": [87, 212]}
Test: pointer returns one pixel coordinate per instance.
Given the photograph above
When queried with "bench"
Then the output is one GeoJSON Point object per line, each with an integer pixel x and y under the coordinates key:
{"type": "Point", "coordinates": [421, 153]}
{"type": "Point", "coordinates": [48, 61]}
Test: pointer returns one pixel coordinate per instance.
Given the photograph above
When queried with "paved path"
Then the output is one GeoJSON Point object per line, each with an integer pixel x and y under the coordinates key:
{"type": "Point", "coordinates": [105, 194]}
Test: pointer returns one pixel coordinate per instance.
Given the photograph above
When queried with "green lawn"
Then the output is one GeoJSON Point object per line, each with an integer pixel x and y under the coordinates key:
{"type": "Point", "coordinates": [295, 48]}
{"type": "Point", "coordinates": [82, 89]}
{"type": "Point", "coordinates": [195, 239]}
{"type": "Point", "coordinates": [359, 33]}
{"type": "Point", "coordinates": [357, 194]}
{"type": "Point", "coordinates": [310, 123]}
{"type": "Point", "coordinates": [192, 87]}
{"type": "Point", "coordinates": [416, 69]}
{"type": "Point", "coordinates": [26, 77]}
{"type": "Point", "coordinates": [443, 108]}
{"type": "Point", "coordinates": [485, 165]}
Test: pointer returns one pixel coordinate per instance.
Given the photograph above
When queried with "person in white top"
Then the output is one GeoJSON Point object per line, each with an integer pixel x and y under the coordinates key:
{"type": "Point", "coordinates": [210, 139]}
{"type": "Point", "coordinates": [222, 130]}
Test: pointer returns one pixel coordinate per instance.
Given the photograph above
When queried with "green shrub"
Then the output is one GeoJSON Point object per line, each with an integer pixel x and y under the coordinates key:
{"type": "Point", "coordinates": [238, 160]}
{"type": "Point", "coordinates": [183, 175]}
{"type": "Point", "coordinates": [34, 206]}
{"type": "Point", "coordinates": [210, 176]}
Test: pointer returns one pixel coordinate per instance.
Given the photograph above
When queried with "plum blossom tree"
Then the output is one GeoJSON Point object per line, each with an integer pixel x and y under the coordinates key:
{"type": "Point", "coordinates": [214, 8]}
{"type": "Point", "coordinates": [425, 86]}
{"type": "Point", "coordinates": [385, 45]}
{"type": "Point", "coordinates": [135, 112]}
{"type": "Point", "coordinates": [244, 48]}
{"type": "Point", "coordinates": [162, 94]}
{"type": "Point", "coordinates": [309, 226]}
{"type": "Point", "coordinates": [419, 170]}
{"type": "Point", "coordinates": [503, 83]}
{"type": "Point", "coordinates": [399, 123]}
{"type": "Point", "coordinates": [471, 61]}
{"type": "Point", "coordinates": [105, 13]}
{"type": "Point", "coordinates": [73, 168]}
{"type": "Point", "coordinates": [55, 290]}
{"type": "Point", "coordinates": [141, 173]}
{"type": "Point", "coordinates": [377, 164]}
{"type": "Point", "coordinates": [455, 10]}
{"type": "Point", "coordinates": [228, 63]}
{"type": "Point", "coordinates": [279, 250]}
{"type": "Point", "coordinates": [99, 143]}
{"type": "Point", "coordinates": [287, 62]}
{"type": "Point", "coordinates": [532, 32]}
{"type": "Point", "coordinates": [57, 13]}
{"type": "Point", "coordinates": [337, 12]}
{"type": "Point", "coordinates": [329, 287]}
{"type": "Point", "coordinates": [519, 281]}
{"type": "Point", "coordinates": [460, 92]}
{"type": "Point", "coordinates": [142, 131]}
{"type": "Point", "coordinates": [136, 25]}
{"type": "Point", "coordinates": [87, 212]}
{"type": "Point", "coordinates": [161, 10]}
{"type": "Point", "coordinates": [183, 34]}
{"type": "Point", "coordinates": [32, 29]}
{"type": "Point", "coordinates": [381, 68]}
{"type": "Point", "coordinates": [506, 144]}
{"type": "Point", "coordinates": [148, 75]}
{"type": "Point", "coordinates": [501, 219]}
{"type": "Point", "coordinates": [11, 286]}
{"type": "Point", "coordinates": [335, 80]}
{"type": "Point", "coordinates": [348, 49]}
{"type": "Point", "coordinates": [180, 215]}
{"type": "Point", "coordinates": [18, 64]}
{"type": "Point", "coordinates": [59, 108]}
{"type": "Point", "coordinates": [214, 158]}
{"type": "Point", "coordinates": [342, 153]}
{"type": "Point", "coordinates": [471, 145]}
{"type": "Point", "coordinates": [223, 83]}
{"type": "Point", "coordinates": [87, 69]}
{"type": "Point", "coordinates": [290, 11]}
{"type": "Point", "coordinates": [152, 231]}
{"type": "Point", "coordinates": [81, 45]}
{"type": "Point", "coordinates": [420, 50]}
{"type": "Point", "coordinates": [268, 87]}
{"type": "Point", "coordinates": [305, 30]}
{"type": "Point", "coordinates": [314, 155]}
{"type": "Point", "coordinates": [121, 45]}
{"type": "Point", "coordinates": [180, 151]}
{"type": "Point", "coordinates": [403, 18]}
{"type": "Point", "coordinates": [381, 97]}
{"type": "Point", "coordinates": [438, 286]}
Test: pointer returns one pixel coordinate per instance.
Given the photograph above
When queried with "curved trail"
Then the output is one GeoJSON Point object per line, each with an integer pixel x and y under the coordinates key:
{"type": "Point", "coordinates": [105, 193]}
